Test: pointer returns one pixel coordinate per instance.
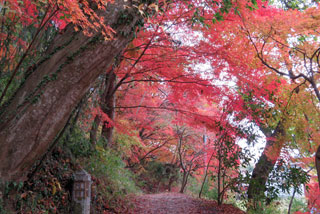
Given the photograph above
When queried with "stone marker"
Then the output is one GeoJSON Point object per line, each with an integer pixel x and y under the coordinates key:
{"type": "Point", "coordinates": [81, 193]}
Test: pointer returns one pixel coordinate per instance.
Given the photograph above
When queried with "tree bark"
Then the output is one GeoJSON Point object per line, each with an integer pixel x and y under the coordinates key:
{"type": "Point", "coordinates": [317, 160]}
{"type": "Point", "coordinates": [291, 201]}
{"type": "Point", "coordinates": [40, 108]}
{"type": "Point", "coordinates": [184, 181]}
{"type": "Point", "coordinates": [205, 175]}
{"type": "Point", "coordinates": [108, 105]}
{"type": "Point", "coordinates": [94, 130]}
{"type": "Point", "coordinates": [264, 166]}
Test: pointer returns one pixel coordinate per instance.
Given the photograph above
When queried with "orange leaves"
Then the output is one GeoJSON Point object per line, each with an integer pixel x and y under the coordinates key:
{"type": "Point", "coordinates": [83, 16]}
{"type": "Point", "coordinates": [284, 43]}
{"type": "Point", "coordinates": [273, 151]}
{"type": "Point", "coordinates": [79, 13]}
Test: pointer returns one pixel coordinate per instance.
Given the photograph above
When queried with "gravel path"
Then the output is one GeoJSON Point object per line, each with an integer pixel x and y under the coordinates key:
{"type": "Point", "coordinates": [171, 203]}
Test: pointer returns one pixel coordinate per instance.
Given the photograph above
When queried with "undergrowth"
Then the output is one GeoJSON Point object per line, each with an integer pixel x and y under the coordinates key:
{"type": "Point", "coordinates": [49, 190]}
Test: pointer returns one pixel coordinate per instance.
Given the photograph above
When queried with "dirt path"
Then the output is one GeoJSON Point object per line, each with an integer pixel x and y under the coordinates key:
{"type": "Point", "coordinates": [171, 203]}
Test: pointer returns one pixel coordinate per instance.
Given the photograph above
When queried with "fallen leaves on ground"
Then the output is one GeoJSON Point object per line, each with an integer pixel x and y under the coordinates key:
{"type": "Point", "coordinates": [176, 203]}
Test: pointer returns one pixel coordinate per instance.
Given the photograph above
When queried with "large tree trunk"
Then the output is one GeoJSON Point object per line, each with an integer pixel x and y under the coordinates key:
{"type": "Point", "coordinates": [108, 104]}
{"type": "Point", "coordinates": [264, 166]}
{"type": "Point", "coordinates": [41, 106]}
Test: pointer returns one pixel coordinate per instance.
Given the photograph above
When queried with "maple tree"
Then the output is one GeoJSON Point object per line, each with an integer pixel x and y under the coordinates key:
{"type": "Point", "coordinates": [297, 49]}
{"type": "Point", "coordinates": [232, 37]}
{"type": "Point", "coordinates": [189, 157]}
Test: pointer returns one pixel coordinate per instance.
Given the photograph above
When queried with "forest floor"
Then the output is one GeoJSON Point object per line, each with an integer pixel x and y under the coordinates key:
{"type": "Point", "coordinates": [176, 203]}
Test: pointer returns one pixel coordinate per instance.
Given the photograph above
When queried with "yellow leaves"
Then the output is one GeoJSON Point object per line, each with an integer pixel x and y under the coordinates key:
{"type": "Point", "coordinates": [54, 189]}
{"type": "Point", "coordinates": [142, 8]}
{"type": "Point", "coordinates": [154, 6]}
{"type": "Point", "coordinates": [55, 186]}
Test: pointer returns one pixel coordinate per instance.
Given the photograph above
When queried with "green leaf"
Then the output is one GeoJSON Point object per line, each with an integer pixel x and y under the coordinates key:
{"type": "Point", "coordinates": [219, 17]}
{"type": "Point", "coordinates": [254, 2]}
{"type": "Point", "coordinates": [236, 11]}
{"type": "Point", "coordinates": [201, 19]}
